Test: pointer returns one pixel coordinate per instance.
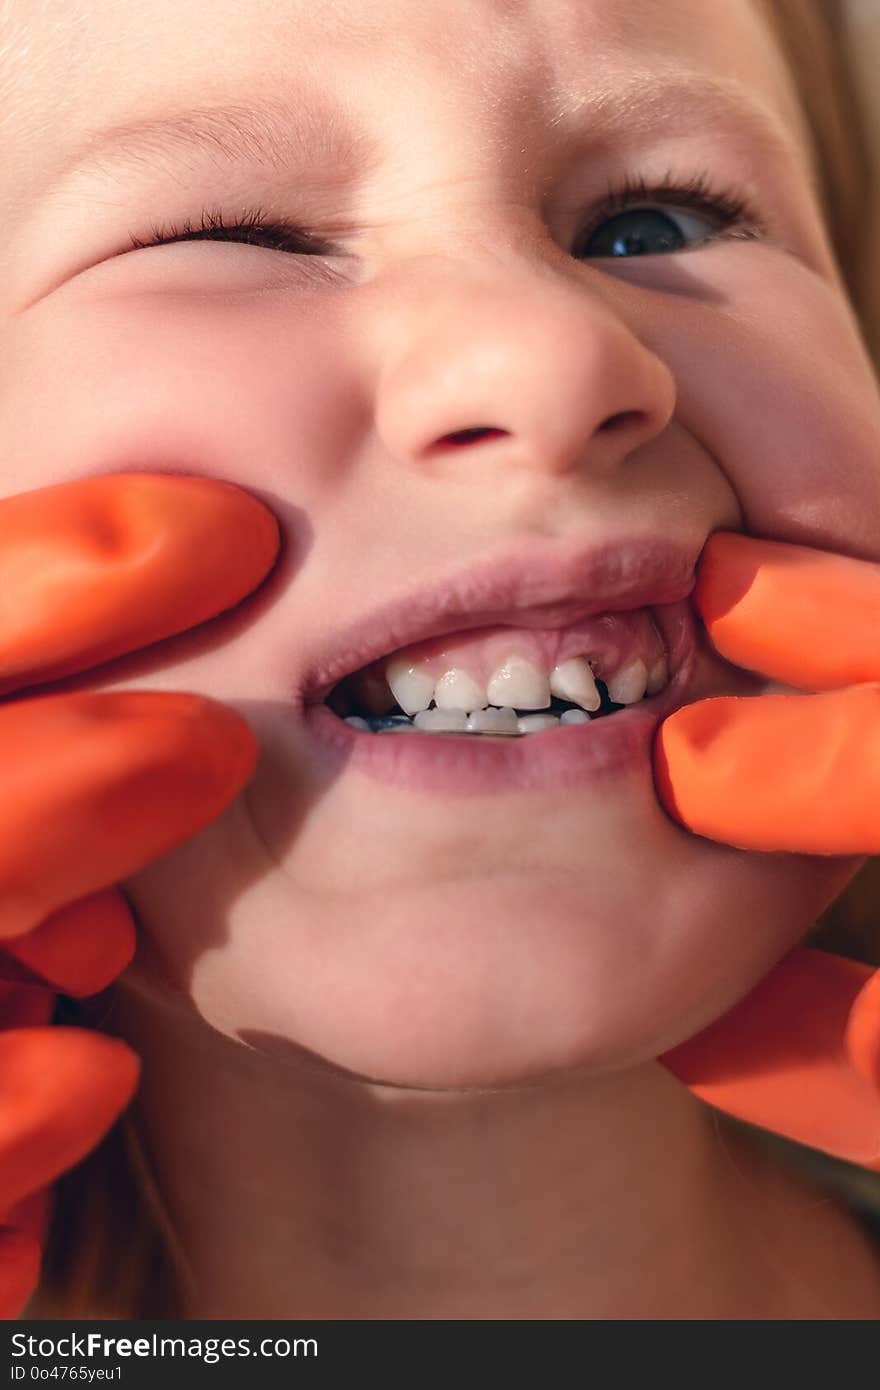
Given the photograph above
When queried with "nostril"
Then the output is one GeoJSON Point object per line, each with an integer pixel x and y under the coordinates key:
{"type": "Point", "coordinates": [468, 436]}
{"type": "Point", "coordinates": [621, 420]}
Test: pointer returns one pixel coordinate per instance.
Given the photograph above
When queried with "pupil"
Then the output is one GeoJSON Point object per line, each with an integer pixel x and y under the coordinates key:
{"type": "Point", "coordinates": [636, 232]}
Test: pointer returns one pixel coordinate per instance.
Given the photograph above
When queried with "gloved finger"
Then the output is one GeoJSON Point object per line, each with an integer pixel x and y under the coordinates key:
{"type": "Point", "coordinates": [60, 1091]}
{"type": "Point", "coordinates": [863, 1032]}
{"type": "Point", "coordinates": [97, 785]}
{"type": "Point", "coordinates": [20, 1257]}
{"type": "Point", "coordinates": [803, 616]}
{"type": "Point", "coordinates": [776, 772]}
{"type": "Point", "coordinates": [98, 567]}
{"type": "Point", "coordinates": [78, 950]}
{"type": "Point", "coordinates": [778, 1059]}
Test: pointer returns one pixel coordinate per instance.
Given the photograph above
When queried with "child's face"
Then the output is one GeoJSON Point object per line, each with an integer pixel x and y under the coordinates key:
{"type": "Point", "coordinates": [476, 924]}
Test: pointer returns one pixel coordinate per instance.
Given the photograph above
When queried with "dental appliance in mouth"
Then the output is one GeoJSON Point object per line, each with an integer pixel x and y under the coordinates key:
{"type": "Point", "coordinates": [503, 683]}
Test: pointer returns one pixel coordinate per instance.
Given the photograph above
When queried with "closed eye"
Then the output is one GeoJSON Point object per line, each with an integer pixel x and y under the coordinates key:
{"type": "Point", "coordinates": [252, 228]}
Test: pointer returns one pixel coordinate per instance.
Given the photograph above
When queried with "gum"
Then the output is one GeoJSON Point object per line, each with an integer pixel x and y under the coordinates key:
{"type": "Point", "coordinates": [608, 640]}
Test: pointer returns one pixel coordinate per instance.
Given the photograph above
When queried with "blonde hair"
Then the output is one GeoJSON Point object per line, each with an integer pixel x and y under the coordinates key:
{"type": "Point", "coordinates": [111, 1249]}
{"type": "Point", "coordinates": [817, 39]}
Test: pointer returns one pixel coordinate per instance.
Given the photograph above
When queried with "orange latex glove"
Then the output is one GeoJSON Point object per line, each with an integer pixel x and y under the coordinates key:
{"type": "Point", "coordinates": [800, 1055]}
{"type": "Point", "coordinates": [95, 786]}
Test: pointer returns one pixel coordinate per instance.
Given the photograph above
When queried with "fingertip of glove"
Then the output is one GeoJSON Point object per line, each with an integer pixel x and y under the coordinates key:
{"type": "Point", "coordinates": [862, 1038]}
{"type": "Point", "coordinates": [80, 948]}
{"type": "Point", "coordinates": [61, 1089]}
{"type": "Point", "coordinates": [776, 1059]}
{"type": "Point", "coordinates": [687, 783]}
{"type": "Point", "coordinates": [726, 571]}
{"type": "Point", "coordinates": [731, 564]}
{"type": "Point", "coordinates": [662, 771]}
{"type": "Point", "coordinates": [64, 1068]}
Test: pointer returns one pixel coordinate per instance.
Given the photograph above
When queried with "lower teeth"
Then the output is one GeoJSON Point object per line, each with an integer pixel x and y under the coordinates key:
{"type": "Point", "coordinates": [519, 723]}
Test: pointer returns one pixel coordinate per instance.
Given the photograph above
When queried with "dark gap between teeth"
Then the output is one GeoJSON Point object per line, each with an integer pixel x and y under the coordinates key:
{"type": "Point", "coordinates": [342, 705]}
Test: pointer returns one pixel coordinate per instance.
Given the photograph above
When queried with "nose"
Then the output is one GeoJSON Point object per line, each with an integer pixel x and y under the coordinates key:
{"type": "Point", "coordinates": [541, 365]}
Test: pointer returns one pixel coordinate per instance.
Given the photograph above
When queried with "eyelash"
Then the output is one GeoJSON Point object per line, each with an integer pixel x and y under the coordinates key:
{"type": "Point", "coordinates": [283, 234]}
{"type": "Point", "coordinates": [736, 216]}
{"type": "Point", "coordinates": [736, 219]}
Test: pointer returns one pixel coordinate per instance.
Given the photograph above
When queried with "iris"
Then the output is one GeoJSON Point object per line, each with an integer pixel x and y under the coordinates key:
{"type": "Point", "coordinates": [636, 232]}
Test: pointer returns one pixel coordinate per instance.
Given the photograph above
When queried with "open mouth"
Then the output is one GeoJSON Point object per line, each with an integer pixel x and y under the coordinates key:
{"type": "Point", "coordinates": [539, 669]}
{"type": "Point", "coordinates": [424, 724]}
{"type": "Point", "coordinates": [508, 682]}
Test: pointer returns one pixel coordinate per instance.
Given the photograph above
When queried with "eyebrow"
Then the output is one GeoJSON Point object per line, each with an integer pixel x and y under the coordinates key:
{"type": "Point", "coordinates": [317, 140]}
{"type": "Point", "coordinates": [649, 100]}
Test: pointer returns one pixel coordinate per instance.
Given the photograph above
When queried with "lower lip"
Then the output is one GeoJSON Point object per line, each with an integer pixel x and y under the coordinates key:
{"type": "Point", "coordinates": [571, 755]}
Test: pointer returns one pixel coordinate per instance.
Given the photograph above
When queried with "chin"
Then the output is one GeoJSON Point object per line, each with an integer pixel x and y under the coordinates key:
{"type": "Point", "coordinates": [513, 971]}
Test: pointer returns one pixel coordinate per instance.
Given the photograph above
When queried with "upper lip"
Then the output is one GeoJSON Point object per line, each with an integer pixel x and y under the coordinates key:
{"type": "Point", "coordinates": [544, 588]}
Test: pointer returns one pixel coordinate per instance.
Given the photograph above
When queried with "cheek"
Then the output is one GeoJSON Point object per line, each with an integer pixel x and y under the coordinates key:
{"type": "Point", "coordinates": [774, 382]}
{"type": "Point", "coordinates": [196, 383]}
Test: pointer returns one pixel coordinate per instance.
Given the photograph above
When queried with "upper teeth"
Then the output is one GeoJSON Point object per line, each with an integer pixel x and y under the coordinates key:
{"type": "Point", "coordinates": [628, 684]}
{"type": "Point", "coordinates": [518, 684]}
{"type": "Point", "coordinates": [574, 681]}
{"type": "Point", "coordinates": [454, 690]}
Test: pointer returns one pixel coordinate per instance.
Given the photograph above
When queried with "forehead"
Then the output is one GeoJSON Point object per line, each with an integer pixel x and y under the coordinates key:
{"type": "Point", "coordinates": [514, 70]}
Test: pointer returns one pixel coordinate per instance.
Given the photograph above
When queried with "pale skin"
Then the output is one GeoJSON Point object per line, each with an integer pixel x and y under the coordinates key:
{"type": "Point", "coordinates": [446, 1103]}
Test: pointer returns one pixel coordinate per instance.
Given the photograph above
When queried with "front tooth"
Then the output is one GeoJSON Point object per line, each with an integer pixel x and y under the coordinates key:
{"type": "Point", "coordinates": [574, 681]}
{"type": "Point", "coordinates": [534, 723]}
{"type": "Point", "coordinates": [628, 685]}
{"type": "Point", "coordinates": [658, 676]}
{"type": "Point", "coordinates": [492, 721]}
{"type": "Point", "coordinates": [519, 684]}
{"type": "Point", "coordinates": [457, 690]}
{"type": "Point", "coordinates": [574, 716]}
{"type": "Point", "coordinates": [442, 721]}
{"type": "Point", "coordinates": [412, 688]}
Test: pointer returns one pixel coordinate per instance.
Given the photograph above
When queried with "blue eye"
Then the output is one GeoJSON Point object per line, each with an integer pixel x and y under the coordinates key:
{"type": "Point", "coordinates": [639, 220]}
{"type": "Point", "coordinates": [645, 232]}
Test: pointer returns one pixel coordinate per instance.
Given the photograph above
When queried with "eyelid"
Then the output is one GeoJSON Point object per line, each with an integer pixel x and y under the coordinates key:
{"type": "Point", "coordinates": [256, 219]}
{"type": "Point", "coordinates": [696, 192]}
{"type": "Point", "coordinates": [729, 207]}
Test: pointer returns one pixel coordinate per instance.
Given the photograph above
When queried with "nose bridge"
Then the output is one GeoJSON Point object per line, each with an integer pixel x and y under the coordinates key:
{"type": "Point", "coordinates": [540, 355]}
